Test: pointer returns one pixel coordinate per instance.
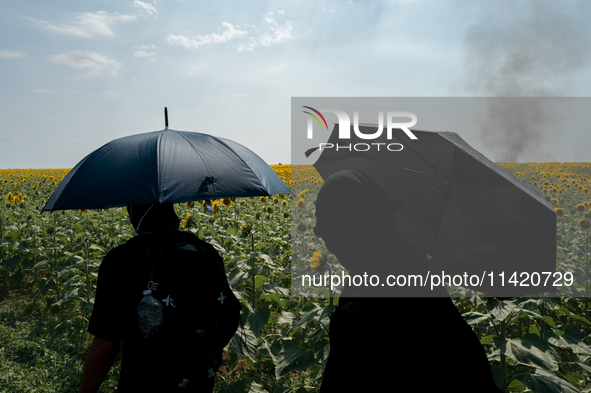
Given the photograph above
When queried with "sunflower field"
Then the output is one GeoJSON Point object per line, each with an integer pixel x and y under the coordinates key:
{"type": "Point", "coordinates": [49, 265]}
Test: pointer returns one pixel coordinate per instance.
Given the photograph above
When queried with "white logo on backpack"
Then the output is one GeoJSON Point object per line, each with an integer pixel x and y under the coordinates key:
{"type": "Point", "coordinates": [169, 301]}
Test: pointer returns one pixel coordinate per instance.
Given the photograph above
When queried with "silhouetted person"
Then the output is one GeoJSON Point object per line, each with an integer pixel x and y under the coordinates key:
{"type": "Point", "coordinates": [123, 275]}
{"type": "Point", "coordinates": [407, 343]}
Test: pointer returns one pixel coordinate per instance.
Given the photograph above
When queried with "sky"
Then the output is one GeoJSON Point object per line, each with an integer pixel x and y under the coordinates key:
{"type": "Point", "coordinates": [78, 74]}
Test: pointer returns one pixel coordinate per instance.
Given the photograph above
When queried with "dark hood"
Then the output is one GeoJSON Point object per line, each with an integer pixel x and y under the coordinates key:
{"type": "Point", "coordinates": [153, 218]}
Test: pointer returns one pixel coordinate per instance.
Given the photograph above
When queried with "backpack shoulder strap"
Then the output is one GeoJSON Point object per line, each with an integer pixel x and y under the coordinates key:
{"type": "Point", "coordinates": [153, 262]}
{"type": "Point", "coordinates": [153, 251]}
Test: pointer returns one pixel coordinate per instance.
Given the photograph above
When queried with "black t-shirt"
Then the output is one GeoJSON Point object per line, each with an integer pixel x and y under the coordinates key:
{"type": "Point", "coordinates": [123, 276]}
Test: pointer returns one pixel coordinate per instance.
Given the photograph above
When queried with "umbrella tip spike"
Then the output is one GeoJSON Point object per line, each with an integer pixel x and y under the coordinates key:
{"type": "Point", "coordinates": [166, 117]}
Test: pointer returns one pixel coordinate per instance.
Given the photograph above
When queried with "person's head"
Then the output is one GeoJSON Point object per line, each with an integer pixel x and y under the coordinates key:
{"type": "Point", "coordinates": [153, 217]}
{"type": "Point", "coordinates": [355, 218]}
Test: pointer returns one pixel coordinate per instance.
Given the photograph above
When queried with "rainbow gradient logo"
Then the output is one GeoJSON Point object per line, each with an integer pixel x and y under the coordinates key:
{"type": "Point", "coordinates": [345, 123]}
{"type": "Point", "coordinates": [310, 120]}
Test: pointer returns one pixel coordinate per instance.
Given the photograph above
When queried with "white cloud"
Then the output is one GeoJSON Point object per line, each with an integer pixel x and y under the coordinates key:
{"type": "Point", "coordinates": [278, 34]}
{"type": "Point", "coordinates": [281, 11]}
{"type": "Point", "coordinates": [248, 46]}
{"type": "Point", "coordinates": [87, 25]}
{"type": "Point", "coordinates": [145, 47]}
{"type": "Point", "coordinates": [196, 68]}
{"type": "Point", "coordinates": [213, 38]}
{"type": "Point", "coordinates": [143, 53]}
{"type": "Point", "coordinates": [11, 55]}
{"type": "Point", "coordinates": [149, 9]}
{"type": "Point", "coordinates": [92, 61]}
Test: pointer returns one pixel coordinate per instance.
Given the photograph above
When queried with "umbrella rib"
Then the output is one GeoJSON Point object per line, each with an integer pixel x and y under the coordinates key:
{"type": "Point", "coordinates": [200, 156]}
{"type": "Point", "coordinates": [195, 149]}
{"type": "Point", "coordinates": [409, 146]}
{"type": "Point", "coordinates": [440, 178]}
{"type": "Point", "coordinates": [448, 192]}
{"type": "Point", "coordinates": [419, 190]}
{"type": "Point", "coordinates": [455, 195]}
{"type": "Point", "coordinates": [459, 200]}
{"type": "Point", "coordinates": [429, 215]}
{"type": "Point", "coordinates": [232, 150]}
{"type": "Point", "coordinates": [421, 173]}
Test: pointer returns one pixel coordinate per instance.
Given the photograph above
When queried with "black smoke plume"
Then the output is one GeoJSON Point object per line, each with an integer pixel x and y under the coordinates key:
{"type": "Point", "coordinates": [529, 49]}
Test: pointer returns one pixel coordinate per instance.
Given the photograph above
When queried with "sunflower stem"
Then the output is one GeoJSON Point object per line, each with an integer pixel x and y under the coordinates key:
{"type": "Point", "coordinates": [563, 230]}
{"type": "Point", "coordinates": [71, 229]}
{"type": "Point", "coordinates": [88, 273]}
{"type": "Point", "coordinates": [504, 357]}
{"type": "Point", "coordinates": [1, 235]}
{"type": "Point", "coordinates": [252, 258]}
{"type": "Point", "coordinates": [587, 272]}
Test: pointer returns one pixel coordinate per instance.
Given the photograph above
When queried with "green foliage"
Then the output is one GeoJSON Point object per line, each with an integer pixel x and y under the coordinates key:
{"type": "Point", "coordinates": [49, 265]}
{"type": "Point", "coordinates": [540, 344]}
{"type": "Point", "coordinates": [36, 356]}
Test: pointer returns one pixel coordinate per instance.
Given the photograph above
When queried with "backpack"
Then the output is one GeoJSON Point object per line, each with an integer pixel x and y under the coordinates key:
{"type": "Point", "coordinates": [188, 313]}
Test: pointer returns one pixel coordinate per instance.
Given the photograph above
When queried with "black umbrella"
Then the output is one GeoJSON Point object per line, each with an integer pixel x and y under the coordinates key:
{"type": "Point", "coordinates": [162, 167]}
{"type": "Point", "coordinates": [463, 213]}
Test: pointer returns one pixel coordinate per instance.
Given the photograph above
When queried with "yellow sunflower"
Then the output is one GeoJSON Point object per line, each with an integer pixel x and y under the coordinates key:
{"type": "Point", "coordinates": [300, 204]}
{"type": "Point", "coordinates": [315, 260]}
{"type": "Point", "coordinates": [186, 222]}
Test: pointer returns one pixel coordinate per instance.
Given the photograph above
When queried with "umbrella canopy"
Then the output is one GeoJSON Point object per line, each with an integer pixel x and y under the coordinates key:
{"type": "Point", "coordinates": [161, 167]}
{"type": "Point", "coordinates": [463, 213]}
